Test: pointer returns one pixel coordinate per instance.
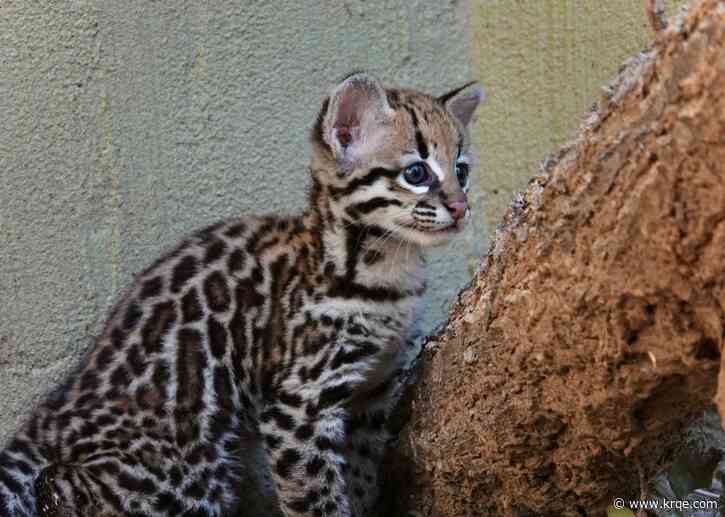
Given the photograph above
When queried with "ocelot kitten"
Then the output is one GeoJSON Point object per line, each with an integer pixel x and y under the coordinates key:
{"type": "Point", "coordinates": [285, 329]}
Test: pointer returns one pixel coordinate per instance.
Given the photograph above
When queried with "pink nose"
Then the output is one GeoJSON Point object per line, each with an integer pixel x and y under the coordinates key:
{"type": "Point", "coordinates": [457, 209]}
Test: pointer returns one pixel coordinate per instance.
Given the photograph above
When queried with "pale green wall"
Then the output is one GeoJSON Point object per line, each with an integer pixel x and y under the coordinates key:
{"type": "Point", "coordinates": [543, 63]}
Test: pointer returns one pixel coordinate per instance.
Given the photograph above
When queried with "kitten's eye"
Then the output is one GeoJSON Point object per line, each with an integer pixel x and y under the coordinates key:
{"type": "Point", "coordinates": [462, 173]}
{"type": "Point", "coordinates": [417, 175]}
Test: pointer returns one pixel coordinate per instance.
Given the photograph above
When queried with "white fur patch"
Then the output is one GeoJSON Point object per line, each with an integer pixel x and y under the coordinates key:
{"type": "Point", "coordinates": [436, 168]}
{"type": "Point", "coordinates": [420, 189]}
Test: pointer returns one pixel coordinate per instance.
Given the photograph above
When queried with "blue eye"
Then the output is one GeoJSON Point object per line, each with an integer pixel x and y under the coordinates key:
{"type": "Point", "coordinates": [417, 175]}
{"type": "Point", "coordinates": [462, 173]}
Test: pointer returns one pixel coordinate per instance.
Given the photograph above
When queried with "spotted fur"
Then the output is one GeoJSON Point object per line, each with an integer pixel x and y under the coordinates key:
{"type": "Point", "coordinates": [286, 332]}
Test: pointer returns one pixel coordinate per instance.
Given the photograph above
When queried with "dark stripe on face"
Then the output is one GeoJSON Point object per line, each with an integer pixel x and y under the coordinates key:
{"type": "Point", "coordinates": [365, 207]}
{"type": "Point", "coordinates": [413, 116]}
{"type": "Point", "coordinates": [424, 213]}
{"type": "Point", "coordinates": [419, 140]}
{"type": "Point", "coordinates": [422, 146]}
{"type": "Point", "coordinates": [365, 181]}
{"type": "Point", "coordinates": [424, 217]}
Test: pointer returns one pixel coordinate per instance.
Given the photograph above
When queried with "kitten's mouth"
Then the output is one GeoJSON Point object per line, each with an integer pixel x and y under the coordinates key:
{"type": "Point", "coordinates": [450, 229]}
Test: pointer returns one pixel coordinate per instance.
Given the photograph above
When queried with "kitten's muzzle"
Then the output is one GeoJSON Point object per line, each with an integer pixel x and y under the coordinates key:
{"type": "Point", "coordinates": [457, 209]}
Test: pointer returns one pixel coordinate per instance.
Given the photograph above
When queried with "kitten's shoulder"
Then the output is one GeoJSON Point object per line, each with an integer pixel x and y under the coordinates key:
{"type": "Point", "coordinates": [224, 246]}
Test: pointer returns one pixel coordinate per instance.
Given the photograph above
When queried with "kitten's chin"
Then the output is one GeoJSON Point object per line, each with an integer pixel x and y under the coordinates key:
{"type": "Point", "coordinates": [429, 238]}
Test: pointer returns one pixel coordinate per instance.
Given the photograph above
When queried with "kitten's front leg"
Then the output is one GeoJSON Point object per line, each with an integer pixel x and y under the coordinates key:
{"type": "Point", "coordinates": [367, 438]}
{"type": "Point", "coordinates": [304, 447]}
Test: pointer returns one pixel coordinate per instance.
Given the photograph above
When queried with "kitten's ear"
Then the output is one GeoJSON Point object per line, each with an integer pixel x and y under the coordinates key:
{"type": "Point", "coordinates": [462, 102]}
{"type": "Point", "coordinates": [357, 110]}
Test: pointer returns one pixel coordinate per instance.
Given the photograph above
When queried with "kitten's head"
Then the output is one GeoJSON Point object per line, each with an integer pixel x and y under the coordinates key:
{"type": "Point", "coordinates": [397, 160]}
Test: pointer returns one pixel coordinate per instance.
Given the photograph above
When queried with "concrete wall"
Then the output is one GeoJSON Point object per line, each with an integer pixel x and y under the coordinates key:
{"type": "Point", "coordinates": [124, 125]}
{"type": "Point", "coordinates": [544, 63]}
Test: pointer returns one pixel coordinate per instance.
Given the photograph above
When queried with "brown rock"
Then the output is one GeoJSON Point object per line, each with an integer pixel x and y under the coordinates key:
{"type": "Point", "coordinates": [598, 313]}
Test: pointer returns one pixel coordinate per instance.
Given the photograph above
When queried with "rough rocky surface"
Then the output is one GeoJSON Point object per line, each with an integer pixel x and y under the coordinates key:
{"type": "Point", "coordinates": [592, 333]}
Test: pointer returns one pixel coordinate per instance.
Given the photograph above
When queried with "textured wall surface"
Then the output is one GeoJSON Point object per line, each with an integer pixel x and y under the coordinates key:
{"type": "Point", "coordinates": [543, 63]}
{"type": "Point", "coordinates": [124, 125]}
